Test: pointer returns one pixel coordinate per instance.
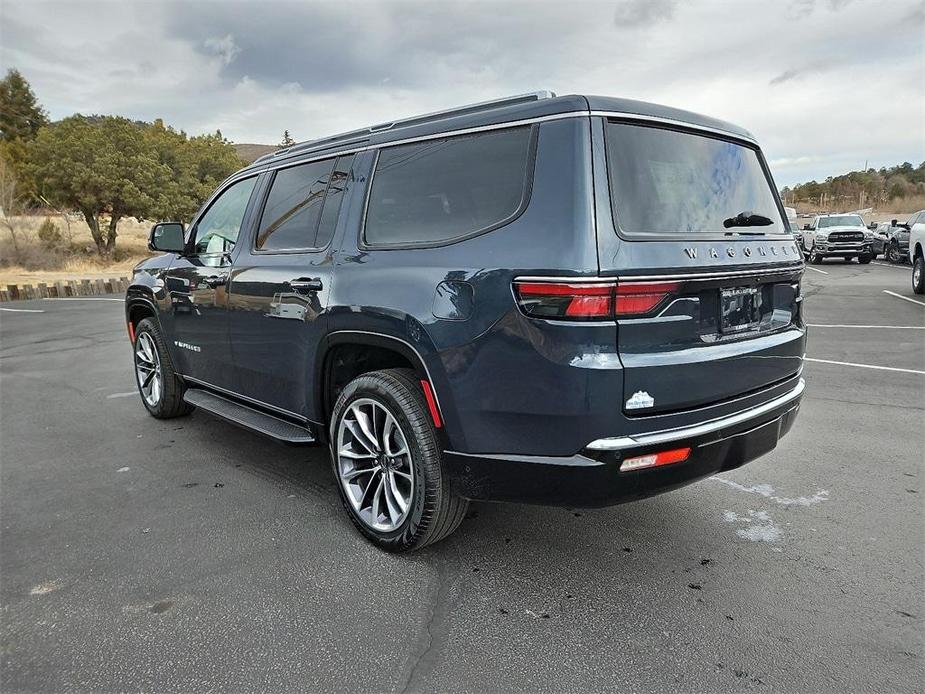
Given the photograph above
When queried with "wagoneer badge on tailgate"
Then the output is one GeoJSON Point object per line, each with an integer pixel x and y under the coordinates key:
{"type": "Point", "coordinates": [641, 399]}
{"type": "Point", "coordinates": [747, 251]}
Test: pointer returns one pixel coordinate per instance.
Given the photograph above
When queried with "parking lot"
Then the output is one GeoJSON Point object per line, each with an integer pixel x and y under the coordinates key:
{"type": "Point", "coordinates": [189, 555]}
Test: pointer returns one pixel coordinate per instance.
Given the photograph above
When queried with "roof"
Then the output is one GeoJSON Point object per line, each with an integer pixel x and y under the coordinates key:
{"type": "Point", "coordinates": [512, 109]}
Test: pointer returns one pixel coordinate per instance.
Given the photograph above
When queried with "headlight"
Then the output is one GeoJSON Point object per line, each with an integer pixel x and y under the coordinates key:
{"type": "Point", "coordinates": [822, 235]}
{"type": "Point", "coordinates": [868, 235]}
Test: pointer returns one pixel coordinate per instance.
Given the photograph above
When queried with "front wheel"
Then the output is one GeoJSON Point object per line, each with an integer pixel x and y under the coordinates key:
{"type": "Point", "coordinates": [815, 257]}
{"type": "Point", "coordinates": [865, 259]}
{"type": "Point", "coordinates": [160, 388]}
{"type": "Point", "coordinates": [918, 275]}
{"type": "Point", "coordinates": [387, 461]}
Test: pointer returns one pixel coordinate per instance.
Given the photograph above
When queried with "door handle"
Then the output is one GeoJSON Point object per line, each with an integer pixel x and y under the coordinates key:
{"type": "Point", "coordinates": [307, 284]}
{"type": "Point", "coordinates": [215, 280]}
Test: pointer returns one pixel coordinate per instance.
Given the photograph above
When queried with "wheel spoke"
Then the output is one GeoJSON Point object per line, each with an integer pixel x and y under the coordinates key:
{"type": "Point", "coordinates": [355, 455]}
{"type": "Point", "coordinates": [396, 493]}
{"type": "Point", "coordinates": [374, 506]}
{"type": "Point", "coordinates": [406, 475]}
{"type": "Point", "coordinates": [148, 378]}
{"type": "Point", "coordinates": [356, 472]}
{"type": "Point", "coordinates": [390, 502]}
{"type": "Point", "coordinates": [387, 430]}
{"type": "Point", "coordinates": [363, 421]}
{"type": "Point", "coordinates": [358, 435]}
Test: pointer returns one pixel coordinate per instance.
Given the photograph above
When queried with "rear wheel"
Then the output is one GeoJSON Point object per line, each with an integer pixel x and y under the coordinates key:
{"type": "Point", "coordinates": [387, 460]}
{"type": "Point", "coordinates": [918, 275]}
{"type": "Point", "coordinates": [160, 388]}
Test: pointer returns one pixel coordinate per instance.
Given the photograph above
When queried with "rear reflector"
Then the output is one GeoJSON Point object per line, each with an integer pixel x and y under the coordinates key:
{"type": "Point", "coordinates": [591, 301]}
{"type": "Point", "coordinates": [431, 403]}
{"type": "Point", "coordinates": [675, 455]}
{"type": "Point", "coordinates": [131, 332]}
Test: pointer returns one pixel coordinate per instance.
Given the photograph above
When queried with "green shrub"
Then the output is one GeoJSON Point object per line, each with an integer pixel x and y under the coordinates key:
{"type": "Point", "coordinates": [49, 234]}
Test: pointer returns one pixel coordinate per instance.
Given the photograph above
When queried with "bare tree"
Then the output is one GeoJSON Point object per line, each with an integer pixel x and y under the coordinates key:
{"type": "Point", "coordinates": [10, 203]}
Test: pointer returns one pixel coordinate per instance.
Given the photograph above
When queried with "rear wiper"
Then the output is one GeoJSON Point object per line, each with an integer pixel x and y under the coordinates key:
{"type": "Point", "coordinates": [747, 219]}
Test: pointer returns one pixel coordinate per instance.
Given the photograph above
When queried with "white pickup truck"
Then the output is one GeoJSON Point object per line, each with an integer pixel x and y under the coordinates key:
{"type": "Point", "coordinates": [917, 251]}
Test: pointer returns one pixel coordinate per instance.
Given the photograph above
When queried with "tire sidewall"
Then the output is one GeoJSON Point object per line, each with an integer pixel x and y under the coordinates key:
{"type": "Point", "coordinates": [370, 387]}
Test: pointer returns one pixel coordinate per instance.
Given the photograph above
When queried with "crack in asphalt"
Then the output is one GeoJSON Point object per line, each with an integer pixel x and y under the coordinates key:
{"type": "Point", "coordinates": [433, 634]}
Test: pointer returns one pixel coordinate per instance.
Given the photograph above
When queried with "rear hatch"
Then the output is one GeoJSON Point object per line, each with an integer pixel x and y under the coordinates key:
{"type": "Point", "coordinates": [708, 275]}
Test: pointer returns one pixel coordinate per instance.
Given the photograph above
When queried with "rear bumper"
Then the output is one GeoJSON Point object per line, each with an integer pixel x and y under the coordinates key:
{"type": "Point", "coordinates": [592, 478]}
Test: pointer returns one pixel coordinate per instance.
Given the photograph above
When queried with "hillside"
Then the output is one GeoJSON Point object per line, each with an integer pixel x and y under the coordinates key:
{"type": "Point", "coordinates": [900, 188]}
{"type": "Point", "coordinates": [250, 152]}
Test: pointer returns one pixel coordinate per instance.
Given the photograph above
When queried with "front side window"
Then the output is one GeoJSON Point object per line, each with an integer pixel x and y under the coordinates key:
{"type": "Point", "coordinates": [293, 209]}
{"type": "Point", "coordinates": [217, 230]}
{"type": "Point", "coordinates": [438, 191]}
{"type": "Point", "coordinates": [667, 182]}
{"type": "Point", "coordinates": [842, 220]}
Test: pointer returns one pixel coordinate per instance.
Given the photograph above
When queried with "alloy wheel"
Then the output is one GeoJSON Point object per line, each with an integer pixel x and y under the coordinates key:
{"type": "Point", "coordinates": [374, 465]}
{"type": "Point", "coordinates": [148, 369]}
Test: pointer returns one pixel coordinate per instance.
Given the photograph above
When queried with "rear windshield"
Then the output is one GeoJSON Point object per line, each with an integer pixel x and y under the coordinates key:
{"type": "Point", "coordinates": [668, 182]}
{"type": "Point", "coordinates": [844, 220]}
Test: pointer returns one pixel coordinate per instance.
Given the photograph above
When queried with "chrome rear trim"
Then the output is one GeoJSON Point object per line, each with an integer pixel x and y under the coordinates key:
{"type": "Point", "coordinates": [618, 443]}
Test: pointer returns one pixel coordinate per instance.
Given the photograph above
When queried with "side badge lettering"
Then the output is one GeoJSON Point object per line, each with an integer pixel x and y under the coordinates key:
{"type": "Point", "coordinates": [640, 400]}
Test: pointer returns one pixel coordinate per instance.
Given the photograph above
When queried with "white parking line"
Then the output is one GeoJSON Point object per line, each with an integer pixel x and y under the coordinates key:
{"type": "Point", "coordinates": [23, 310]}
{"type": "Point", "coordinates": [814, 269]}
{"type": "Point", "coordinates": [904, 298]}
{"type": "Point", "coordinates": [864, 366]}
{"type": "Point", "coordinates": [895, 267]}
{"type": "Point", "coordinates": [875, 327]}
{"type": "Point", "coordinates": [80, 298]}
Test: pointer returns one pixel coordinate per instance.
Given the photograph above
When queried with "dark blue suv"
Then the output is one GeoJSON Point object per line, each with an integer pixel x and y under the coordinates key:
{"type": "Point", "coordinates": [569, 300]}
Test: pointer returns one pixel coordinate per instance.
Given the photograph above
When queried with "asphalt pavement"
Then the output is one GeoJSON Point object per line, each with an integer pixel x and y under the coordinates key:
{"type": "Point", "coordinates": [189, 555]}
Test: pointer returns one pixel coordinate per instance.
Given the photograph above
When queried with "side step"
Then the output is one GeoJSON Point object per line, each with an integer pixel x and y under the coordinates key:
{"type": "Point", "coordinates": [248, 417]}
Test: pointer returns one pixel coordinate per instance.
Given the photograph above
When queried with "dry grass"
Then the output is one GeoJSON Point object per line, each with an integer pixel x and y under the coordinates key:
{"type": "Point", "coordinates": [897, 207]}
{"type": "Point", "coordinates": [73, 255]}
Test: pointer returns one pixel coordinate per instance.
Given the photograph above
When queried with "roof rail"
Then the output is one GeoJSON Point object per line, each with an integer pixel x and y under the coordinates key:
{"type": "Point", "coordinates": [363, 133]}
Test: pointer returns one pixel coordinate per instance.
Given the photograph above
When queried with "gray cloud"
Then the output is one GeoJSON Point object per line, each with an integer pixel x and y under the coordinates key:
{"type": "Point", "coordinates": [255, 69]}
{"type": "Point", "coordinates": [638, 13]}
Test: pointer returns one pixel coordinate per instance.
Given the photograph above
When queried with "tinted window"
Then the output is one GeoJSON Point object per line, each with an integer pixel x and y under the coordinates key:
{"type": "Point", "coordinates": [332, 201]}
{"type": "Point", "coordinates": [845, 220]}
{"type": "Point", "coordinates": [293, 209]}
{"type": "Point", "coordinates": [665, 181]}
{"type": "Point", "coordinates": [217, 230]}
{"type": "Point", "coordinates": [439, 190]}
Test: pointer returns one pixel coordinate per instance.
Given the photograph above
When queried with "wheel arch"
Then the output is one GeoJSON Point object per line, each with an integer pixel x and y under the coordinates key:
{"type": "Point", "coordinates": [363, 352]}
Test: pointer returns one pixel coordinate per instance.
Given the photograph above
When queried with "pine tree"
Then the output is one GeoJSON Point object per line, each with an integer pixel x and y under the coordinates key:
{"type": "Point", "coordinates": [287, 140]}
{"type": "Point", "coordinates": [20, 113]}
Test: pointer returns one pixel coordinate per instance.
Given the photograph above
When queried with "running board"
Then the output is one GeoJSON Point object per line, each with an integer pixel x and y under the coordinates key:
{"type": "Point", "coordinates": [248, 417]}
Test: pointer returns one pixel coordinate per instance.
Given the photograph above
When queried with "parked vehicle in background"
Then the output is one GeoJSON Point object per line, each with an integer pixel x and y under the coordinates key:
{"type": "Point", "coordinates": [537, 299]}
{"type": "Point", "coordinates": [917, 251]}
{"type": "Point", "coordinates": [880, 235]}
{"type": "Point", "coordinates": [795, 230]}
{"type": "Point", "coordinates": [898, 245]}
{"type": "Point", "coordinates": [837, 236]}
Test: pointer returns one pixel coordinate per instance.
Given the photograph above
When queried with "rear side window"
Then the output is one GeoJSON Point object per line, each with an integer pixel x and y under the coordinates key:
{"type": "Point", "coordinates": [332, 200]}
{"type": "Point", "coordinates": [439, 191]}
{"type": "Point", "coordinates": [293, 208]}
{"type": "Point", "coordinates": [667, 182]}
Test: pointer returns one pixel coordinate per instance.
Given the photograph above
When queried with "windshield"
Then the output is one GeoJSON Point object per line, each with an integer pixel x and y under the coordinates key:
{"type": "Point", "coordinates": [665, 182]}
{"type": "Point", "coordinates": [842, 220]}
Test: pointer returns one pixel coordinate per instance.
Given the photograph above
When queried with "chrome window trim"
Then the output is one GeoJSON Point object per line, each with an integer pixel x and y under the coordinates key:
{"type": "Point", "coordinates": [699, 276]}
{"type": "Point", "coordinates": [674, 123]}
{"type": "Point", "coordinates": [618, 443]}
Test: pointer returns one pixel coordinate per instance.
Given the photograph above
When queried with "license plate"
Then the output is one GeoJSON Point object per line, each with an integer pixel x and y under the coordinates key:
{"type": "Point", "coordinates": [740, 309]}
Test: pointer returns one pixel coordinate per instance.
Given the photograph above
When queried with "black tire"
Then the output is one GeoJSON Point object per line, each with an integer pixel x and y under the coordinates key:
{"type": "Point", "coordinates": [893, 254]}
{"type": "Point", "coordinates": [815, 257]}
{"type": "Point", "coordinates": [170, 402]}
{"type": "Point", "coordinates": [434, 511]}
{"type": "Point", "coordinates": [918, 275]}
{"type": "Point", "coordinates": [865, 259]}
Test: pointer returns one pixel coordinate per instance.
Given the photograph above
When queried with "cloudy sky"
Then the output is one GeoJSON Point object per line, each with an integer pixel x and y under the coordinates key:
{"type": "Point", "coordinates": [825, 85]}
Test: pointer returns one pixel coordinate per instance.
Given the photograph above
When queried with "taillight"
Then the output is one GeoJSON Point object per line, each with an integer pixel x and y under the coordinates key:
{"type": "Point", "coordinates": [590, 301]}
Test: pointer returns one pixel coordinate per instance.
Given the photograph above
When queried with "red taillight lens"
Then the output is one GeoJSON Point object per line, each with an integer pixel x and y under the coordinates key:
{"type": "Point", "coordinates": [641, 297]}
{"type": "Point", "coordinates": [676, 455]}
{"type": "Point", "coordinates": [598, 300]}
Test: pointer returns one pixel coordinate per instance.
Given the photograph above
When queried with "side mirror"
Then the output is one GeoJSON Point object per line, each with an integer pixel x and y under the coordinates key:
{"type": "Point", "coordinates": [167, 237]}
{"type": "Point", "coordinates": [894, 222]}
{"type": "Point", "coordinates": [806, 227]}
{"type": "Point", "coordinates": [872, 226]}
